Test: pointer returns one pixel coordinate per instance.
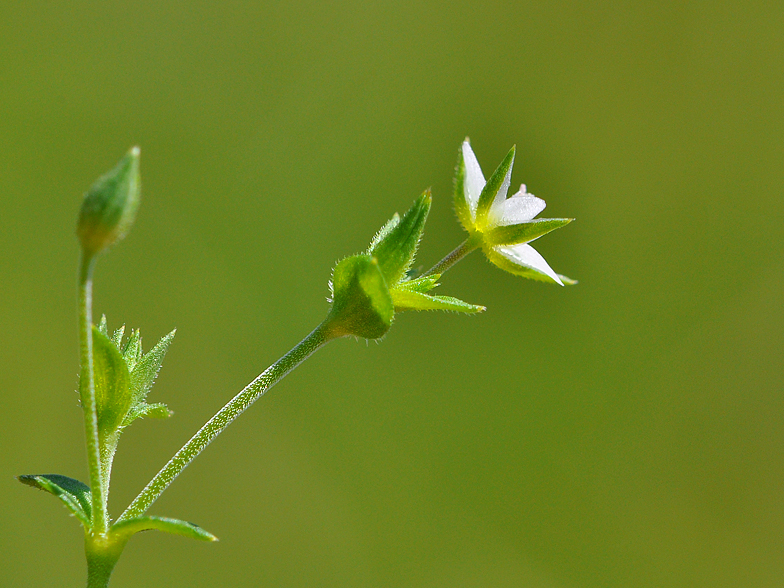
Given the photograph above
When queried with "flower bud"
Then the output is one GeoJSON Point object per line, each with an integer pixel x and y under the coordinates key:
{"type": "Point", "coordinates": [109, 208]}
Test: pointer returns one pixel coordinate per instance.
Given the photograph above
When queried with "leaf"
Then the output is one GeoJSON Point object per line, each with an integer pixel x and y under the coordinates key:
{"type": "Point", "coordinates": [113, 396]}
{"type": "Point", "coordinates": [408, 300]}
{"type": "Point", "coordinates": [126, 528]}
{"type": "Point", "coordinates": [73, 493]}
{"type": "Point", "coordinates": [493, 185]}
{"type": "Point", "coordinates": [142, 409]}
{"type": "Point", "coordinates": [117, 336]}
{"type": "Point", "coordinates": [146, 370]}
{"type": "Point", "coordinates": [397, 248]}
{"type": "Point", "coordinates": [524, 232]}
{"type": "Point", "coordinates": [132, 351]}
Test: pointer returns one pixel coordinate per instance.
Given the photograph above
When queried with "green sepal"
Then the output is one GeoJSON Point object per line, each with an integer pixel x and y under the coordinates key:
{"type": "Point", "coordinates": [157, 410]}
{"type": "Point", "coordinates": [361, 303]}
{"type": "Point", "coordinates": [397, 246]}
{"type": "Point", "coordinates": [524, 232]}
{"type": "Point", "coordinates": [518, 270]}
{"type": "Point", "coordinates": [422, 284]}
{"type": "Point", "coordinates": [73, 493]}
{"type": "Point", "coordinates": [122, 530]}
{"type": "Point", "coordinates": [384, 231]}
{"type": "Point", "coordinates": [492, 187]}
{"type": "Point", "coordinates": [103, 326]}
{"type": "Point", "coordinates": [117, 336]}
{"type": "Point", "coordinates": [110, 206]}
{"type": "Point", "coordinates": [461, 204]}
{"type": "Point", "coordinates": [113, 396]}
{"type": "Point", "coordinates": [411, 300]}
{"type": "Point", "coordinates": [146, 369]}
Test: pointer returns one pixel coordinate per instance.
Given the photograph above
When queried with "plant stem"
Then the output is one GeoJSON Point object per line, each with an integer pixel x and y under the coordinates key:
{"type": "Point", "coordinates": [223, 418]}
{"type": "Point", "coordinates": [456, 255]}
{"type": "Point", "coordinates": [87, 393]}
{"type": "Point", "coordinates": [102, 555]}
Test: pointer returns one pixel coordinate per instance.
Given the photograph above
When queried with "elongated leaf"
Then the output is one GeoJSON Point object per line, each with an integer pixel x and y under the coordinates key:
{"type": "Point", "coordinates": [73, 493]}
{"type": "Point", "coordinates": [496, 182]}
{"type": "Point", "coordinates": [524, 232]}
{"type": "Point", "coordinates": [132, 350]}
{"type": "Point", "coordinates": [146, 370]}
{"type": "Point", "coordinates": [462, 209]}
{"type": "Point", "coordinates": [113, 396]}
{"type": "Point", "coordinates": [396, 250]}
{"type": "Point", "coordinates": [407, 300]}
{"type": "Point", "coordinates": [125, 529]}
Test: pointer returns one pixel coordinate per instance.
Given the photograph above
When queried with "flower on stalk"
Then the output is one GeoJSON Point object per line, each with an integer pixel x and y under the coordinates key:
{"type": "Point", "coordinates": [370, 288]}
{"type": "Point", "coordinates": [504, 226]}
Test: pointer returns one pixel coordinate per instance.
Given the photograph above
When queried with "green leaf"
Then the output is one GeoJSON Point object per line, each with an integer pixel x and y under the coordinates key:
{"type": "Point", "coordinates": [132, 350]}
{"type": "Point", "coordinates": [73, 493]}
{"type": "Point", "coordinates": [396, 249]}
{"type": "Point", "coordinates": [157, 410]}
{"type": "Point", "coordinates": [146, 370]}
{"type": "Point", "coordinates": [124, 529]}
{"type": "Point", "coordinates": [524, 232]}
{"type": "Point", "coordinates": [421, 284]}
{"type": "Point", "coordinates": [409, 300]}
{"type": "Point", "coordinates": [492, 187]}
{"type": "Point", "coordinates": [461, 204]}
{"type": "Point", "coordinates": [113, 396]}
{"type": "Point", "coordinates": [117, 336]}
{"type": "Point", "coordinates": [362, 305]}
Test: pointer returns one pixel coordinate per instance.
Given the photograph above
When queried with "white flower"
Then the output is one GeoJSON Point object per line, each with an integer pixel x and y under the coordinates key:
{"type": "Point", "coordinates": [505, 225]}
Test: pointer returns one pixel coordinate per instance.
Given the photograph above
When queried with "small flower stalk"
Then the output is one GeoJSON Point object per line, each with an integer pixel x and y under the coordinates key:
{"type": "Point", "coordinates": [368, 290]}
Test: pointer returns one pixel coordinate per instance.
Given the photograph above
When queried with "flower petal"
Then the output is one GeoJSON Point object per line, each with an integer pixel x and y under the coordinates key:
{"type": "Point", "coordinates": [519, 208]}
{"type": "Point", "coordinates": [526, 256]}
{"type": "Point", "coordinates": [474, 179]}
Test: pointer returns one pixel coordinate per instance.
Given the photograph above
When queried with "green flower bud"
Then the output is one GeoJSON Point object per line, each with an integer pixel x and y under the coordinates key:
{"type": "Point", "coordinates": [361, 303]}
{"type": "Point", "coordinates": [109, 208]}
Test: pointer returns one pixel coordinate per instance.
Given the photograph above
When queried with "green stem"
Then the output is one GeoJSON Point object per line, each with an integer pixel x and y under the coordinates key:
{"type": "Point", "coordinates": [473, 242]}
{"type": "Point", "coordinates": [223, 418]}
{"type": "Point", "coordinates": [87, 393]}
{"type": "Point", "coordinates": [102, 555]}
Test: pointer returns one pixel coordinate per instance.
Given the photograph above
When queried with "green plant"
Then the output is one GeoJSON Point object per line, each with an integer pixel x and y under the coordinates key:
{"type": "Point", "coordinates": [368, 289]}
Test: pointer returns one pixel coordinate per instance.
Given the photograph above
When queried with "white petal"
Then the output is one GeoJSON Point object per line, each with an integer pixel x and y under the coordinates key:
{"type": "Point", "coordinates": [527, 256]}
{"type": "Point", "coordinates": [519, 208]}
{"type": "Point", "coordinates": [474, 179]}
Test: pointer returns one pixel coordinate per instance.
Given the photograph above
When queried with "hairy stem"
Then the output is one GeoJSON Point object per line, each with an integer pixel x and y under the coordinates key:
{"type": "Point", "coordinates": [456, 255]}
{"type": "Point", "coordinates": [224, 417]}
{"type": "Point", "coordinates": [87, 393]}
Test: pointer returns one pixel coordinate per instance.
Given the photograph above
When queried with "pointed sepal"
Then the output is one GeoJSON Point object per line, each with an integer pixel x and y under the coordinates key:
{"type": "Point", "coordinates": [410, 300]}
{"type": "Point", "coordinates": [524, 232]}
{"type": "Point", "coordinates": [421, 284]}
{"type": "Point", "coordinates": [397, 246]}
{"type": "Point", "coordinates": [462, 207]}
{"type": "Point", "coordinates": [496, 187]}
{"type": "Point", "coordinates": [124, 529]}
{"type": "Point", "coordinates": [74, 494]}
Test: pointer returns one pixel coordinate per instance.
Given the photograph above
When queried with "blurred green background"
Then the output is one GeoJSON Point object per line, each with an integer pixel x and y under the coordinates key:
{"type": "Point", "coordinates": [625, 432]}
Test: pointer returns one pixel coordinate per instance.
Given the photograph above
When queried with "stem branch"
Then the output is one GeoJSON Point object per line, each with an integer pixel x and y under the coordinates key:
{"type": "Point", "coordinates": [456, 255]}
{"type": "Point", "coordinates": [224, 417]}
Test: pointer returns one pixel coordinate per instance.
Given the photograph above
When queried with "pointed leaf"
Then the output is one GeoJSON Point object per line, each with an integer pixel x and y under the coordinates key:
{"type": "Point", "coordinates": [146, 370]}
{"type": "Point", "coordinates": [494, 185]}
{"type": "Point", "coordinates": [73, 493]}
{"type": "Point", "coordinates": [384, 231]}
{"type": "Point", "coordinates": [117, 337]}
{"type": "Point", "coordinates": [126, 528]}
{"type": "Point", "coordinates": [113, 396]}
{"type": "Point", "coordinates": [524, 232]}
{"type": "Point", "coordinates": [361, 303]}
{"type": "Point", "coordinates": [408, 300]}
{"type": "Point", "coordinates": [102, 325]}
{"type": "Point", "coordinates": [142, 409]}
{"type": "Point", "coordinates": [395, 251]}
{"type": "Point", "coordinates": [132, 351]}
